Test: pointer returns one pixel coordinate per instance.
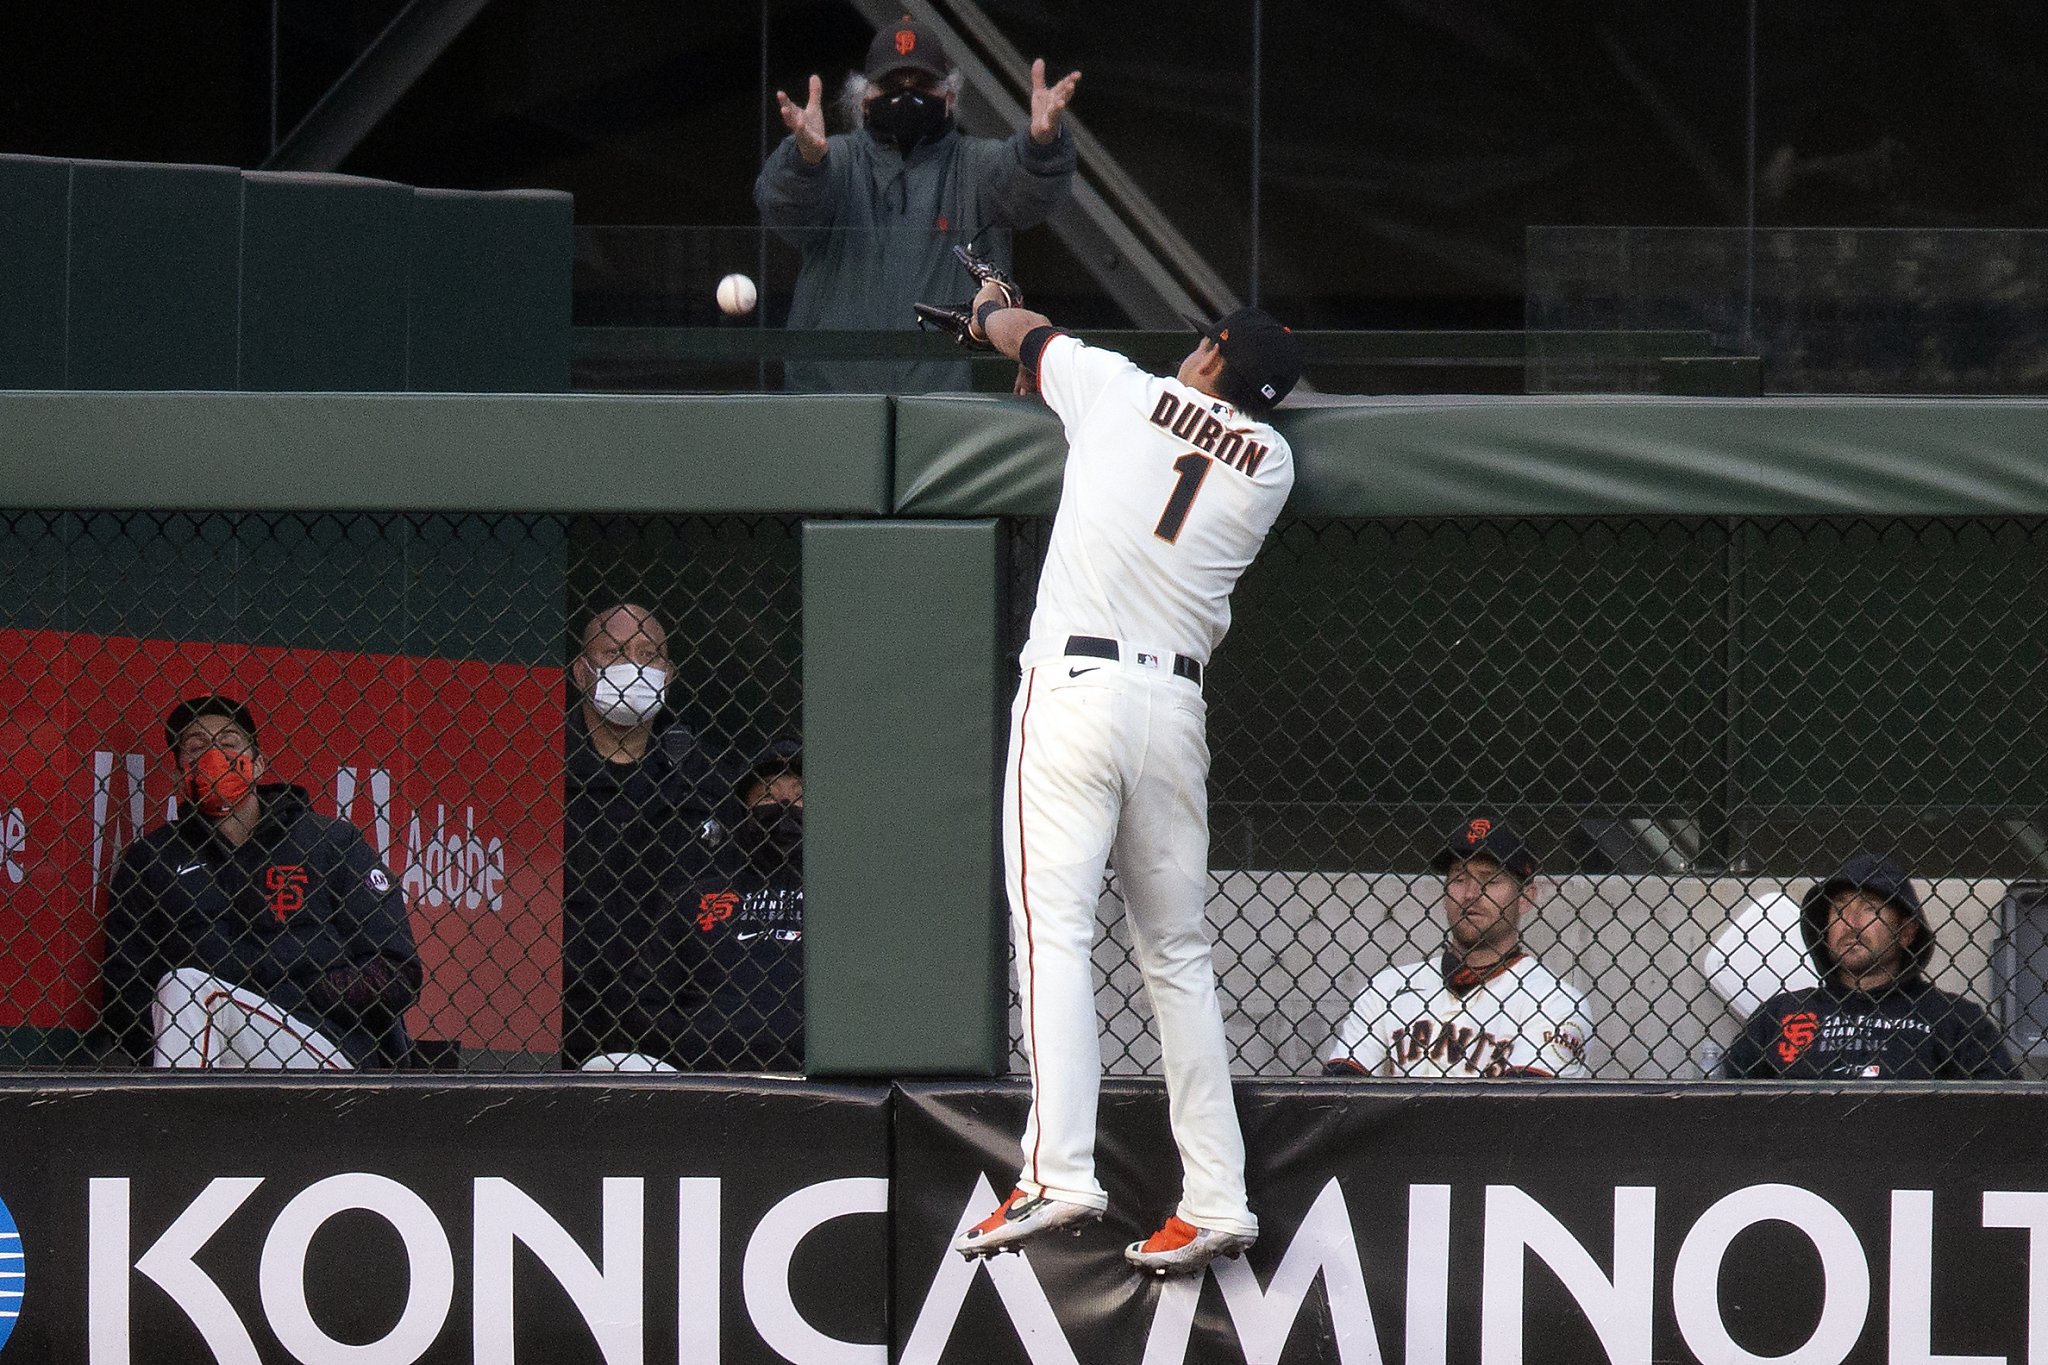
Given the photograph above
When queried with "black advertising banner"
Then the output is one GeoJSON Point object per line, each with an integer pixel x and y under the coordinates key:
{"type": "Point", "coordinates": [565, 1219]}
{"type": "Point", "coordinates": [551, 1219]}
{"type": "Point", "coordinates": [1418, 1225]}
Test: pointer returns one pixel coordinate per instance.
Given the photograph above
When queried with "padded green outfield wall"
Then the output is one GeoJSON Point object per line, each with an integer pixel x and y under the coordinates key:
{"type": "Point", "coordinates": [968, 457]}
{"type": "Point", "coordinates": [133, 275]}
{"type": "Point", "coordinates": [901, 676]}
{"type": "Point", "coordinates": [904, 589]}
{"type": "Point", "coordinates": [1546, 457]}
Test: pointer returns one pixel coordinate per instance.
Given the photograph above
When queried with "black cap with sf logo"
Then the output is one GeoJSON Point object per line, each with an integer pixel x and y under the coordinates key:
{"type": "Point", "coordinates": [1483, 836]}
{"type": "Point", "coordinates": [906, 45]}
{"type": "Point", "coordinates": [1262, 358]}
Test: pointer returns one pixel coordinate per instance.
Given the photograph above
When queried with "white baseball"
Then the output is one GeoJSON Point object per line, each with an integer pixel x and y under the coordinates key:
{"type": "Point", "coordinates": [736, 295]}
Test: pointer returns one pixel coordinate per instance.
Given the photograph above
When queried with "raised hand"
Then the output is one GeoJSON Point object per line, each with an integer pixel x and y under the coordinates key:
{"type": "Point", "coordinates": [1048, 103]}
{"type": "Point", "coordinates": [808, 123]}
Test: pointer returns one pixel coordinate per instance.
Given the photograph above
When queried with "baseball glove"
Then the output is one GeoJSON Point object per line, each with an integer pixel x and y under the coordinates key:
{"type": "Point", "coordinates": [986, 271]}
{"type": "Point", "coordinates": [957, 319]}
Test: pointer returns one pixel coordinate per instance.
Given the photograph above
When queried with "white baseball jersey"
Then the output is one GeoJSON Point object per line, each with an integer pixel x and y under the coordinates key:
{"type": "Point", "coordinates": [1517, 1021]}
{"type": "Point", "coordinates": [1167, 496]}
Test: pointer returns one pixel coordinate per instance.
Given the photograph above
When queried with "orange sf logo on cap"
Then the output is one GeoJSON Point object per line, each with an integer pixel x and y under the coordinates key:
{"type": "Point", "coordinates": [1478, 830]}
{"type": "Point", "coordinates": [906, 42]}
{"type": "Point", "coordinates": [1223, 335]}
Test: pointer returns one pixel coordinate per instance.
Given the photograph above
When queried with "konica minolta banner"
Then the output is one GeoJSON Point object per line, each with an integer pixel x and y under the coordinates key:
{"type": "Point", "coordinates": [552, 1220]}
{"type": "Point", "coordinates": [1472, 1225]}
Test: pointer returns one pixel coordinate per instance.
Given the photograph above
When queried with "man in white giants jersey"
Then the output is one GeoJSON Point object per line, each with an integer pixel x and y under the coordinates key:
{"type": "Point", "coordinates": [1170, 488]}
{"type": "Point", "coordinates": [1485, 1008]}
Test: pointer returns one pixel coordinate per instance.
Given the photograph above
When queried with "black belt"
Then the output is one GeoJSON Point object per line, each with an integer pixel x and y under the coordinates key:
{"type": "Point", "coordinates": [1096, 647]}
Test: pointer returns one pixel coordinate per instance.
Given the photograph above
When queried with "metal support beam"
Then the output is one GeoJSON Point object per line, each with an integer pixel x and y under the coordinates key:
{"type": "Point", "coordinates": [1117, 233]}
{"type": "Point", "coordinates": [372, 86]}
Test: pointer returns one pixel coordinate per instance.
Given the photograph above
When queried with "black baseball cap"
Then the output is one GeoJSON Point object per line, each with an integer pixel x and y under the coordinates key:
{"type": "Point", "coordinates": [213, 704]}
{"type": "Point", "coordinates": [1487, 837]}
{"type": "Point", "coordinates": [907, 44]}
{"type": "Point", "coordinates": [1262, 357]}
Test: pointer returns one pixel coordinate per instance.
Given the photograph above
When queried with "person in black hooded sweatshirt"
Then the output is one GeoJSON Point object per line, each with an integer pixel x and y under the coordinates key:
{"type": "Point", "coordinates": [646, 812]}
{"type": "Point", "coordinates": [742, 934]}
{"type": "Point", "coordinates": [252, 932]}
{"type": "Point", "coordinates": [1874, 1015]}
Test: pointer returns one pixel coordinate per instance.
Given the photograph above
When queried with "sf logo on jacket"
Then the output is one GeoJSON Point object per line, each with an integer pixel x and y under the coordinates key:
{"type": "Point", "coordinates": [285, 884]}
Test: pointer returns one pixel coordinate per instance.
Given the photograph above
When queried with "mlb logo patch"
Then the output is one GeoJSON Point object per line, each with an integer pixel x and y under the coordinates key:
{"type": "Point", "coordinates": [1148, 660]}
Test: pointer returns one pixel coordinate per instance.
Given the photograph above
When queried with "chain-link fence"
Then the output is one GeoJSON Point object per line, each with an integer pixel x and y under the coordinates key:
{"type": "Point", "coordinates": [475, 814]}
{"type": "Point", "coordinates": [323, 791]}
{"type": "Point", "coordinates": [1687, 724]}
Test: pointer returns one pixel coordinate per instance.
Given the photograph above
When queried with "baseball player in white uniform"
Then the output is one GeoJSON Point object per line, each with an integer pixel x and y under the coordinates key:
{"type": "Point", "coordinates": [1486, 1008]}
{"type": "Point", "coordinates": [1170, 488]}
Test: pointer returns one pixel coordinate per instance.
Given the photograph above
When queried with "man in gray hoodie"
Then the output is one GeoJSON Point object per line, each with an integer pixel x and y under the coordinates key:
{"type": "Point", "coordinates": [877, 211]}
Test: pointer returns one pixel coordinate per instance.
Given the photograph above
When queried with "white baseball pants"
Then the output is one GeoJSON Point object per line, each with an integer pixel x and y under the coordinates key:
{"type": "Point", "coordinates": [202, 1021]}
{"type": "Point", "coordinates": [1109, 757]}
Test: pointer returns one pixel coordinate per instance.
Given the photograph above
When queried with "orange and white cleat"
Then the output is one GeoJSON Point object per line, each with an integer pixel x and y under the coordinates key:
{"type": "Point", "coordinates": [1021, 1218]}
{"type": "Point", "coordinates": [1181, 1248]}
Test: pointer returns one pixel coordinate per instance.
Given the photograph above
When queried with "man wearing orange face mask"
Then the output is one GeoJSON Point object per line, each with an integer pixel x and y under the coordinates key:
{"type": "Point", "coordinates": [251, 932]}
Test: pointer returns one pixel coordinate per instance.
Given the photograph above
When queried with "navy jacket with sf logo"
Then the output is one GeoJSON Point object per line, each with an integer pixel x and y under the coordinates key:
{"type": "Point", "coordinates": [1909, 1031]}
{"type": "Point", "coordinates": [304, 895]}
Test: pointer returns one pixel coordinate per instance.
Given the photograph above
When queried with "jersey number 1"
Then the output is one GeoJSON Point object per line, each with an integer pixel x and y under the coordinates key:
{"type": "Point", "coordinates": [1192, 468]}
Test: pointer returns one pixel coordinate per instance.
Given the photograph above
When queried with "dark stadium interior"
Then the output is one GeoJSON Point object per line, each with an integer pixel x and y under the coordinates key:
{"type": "Point", "coordinates": [1404, 147]}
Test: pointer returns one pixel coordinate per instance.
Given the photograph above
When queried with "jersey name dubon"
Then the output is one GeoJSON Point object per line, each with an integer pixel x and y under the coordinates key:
{"type": "Point", "coordinates": [1201, 430]}
{"type": "Point", "coordinates": [1166, 497]}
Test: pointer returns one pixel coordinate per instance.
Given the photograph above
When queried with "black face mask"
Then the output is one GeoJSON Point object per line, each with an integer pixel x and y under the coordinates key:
{"type": "Point", "coordinates": [772, 828]}
{"type": "Point", "coordinates": [909, 117]}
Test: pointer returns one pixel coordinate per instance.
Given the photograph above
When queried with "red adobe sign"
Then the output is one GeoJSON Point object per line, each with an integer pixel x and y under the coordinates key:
{"type": "Point", "coordinates": [454, 770]}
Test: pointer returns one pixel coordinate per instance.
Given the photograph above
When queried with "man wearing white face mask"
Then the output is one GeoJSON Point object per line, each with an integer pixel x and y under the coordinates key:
{"type": "Point", "coordinates": [645, 809]}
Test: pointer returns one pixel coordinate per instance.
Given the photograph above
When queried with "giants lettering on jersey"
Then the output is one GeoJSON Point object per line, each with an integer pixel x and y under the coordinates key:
{"type": "Point", "coordinates": [1201, 430]}
{"type": "Point", "coordinates": [1448, 1045]}
{"type": "Point", "coordinates": [1481, 1053]}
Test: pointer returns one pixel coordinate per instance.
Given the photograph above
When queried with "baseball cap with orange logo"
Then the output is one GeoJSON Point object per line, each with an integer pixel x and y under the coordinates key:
{"type": "Point", "coordinates": [906, 45]}
{"type": "Point", "coordinates": [1262, 358]}
{"type": "Point", "coordinates": [1485, 836]}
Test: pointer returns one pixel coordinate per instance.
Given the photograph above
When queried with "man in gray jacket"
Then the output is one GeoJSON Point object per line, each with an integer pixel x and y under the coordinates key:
{"type": "Point", "coordinates": [877, 211]}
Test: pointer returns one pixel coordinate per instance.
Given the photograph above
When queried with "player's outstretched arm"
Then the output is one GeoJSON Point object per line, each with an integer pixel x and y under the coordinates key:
{"type": "Point", "coordinates": [1003, 328]}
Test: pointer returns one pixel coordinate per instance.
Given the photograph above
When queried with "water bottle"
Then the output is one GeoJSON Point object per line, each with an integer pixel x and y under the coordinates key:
{"type": "Point", "coordinates": [1708, 1054]}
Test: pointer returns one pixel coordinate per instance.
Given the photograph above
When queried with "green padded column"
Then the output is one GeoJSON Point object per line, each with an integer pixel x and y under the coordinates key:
{"type": "Point", "coordinates": [903, 958]}
{"type": "Point", "coordinates": [155, 268]}
{"type": "Point", "coordinates": [489, 291]}
{"type": "Point", "coordinates": [323, 282]}
{"type": "Point", "coordinates": [34, 201]}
